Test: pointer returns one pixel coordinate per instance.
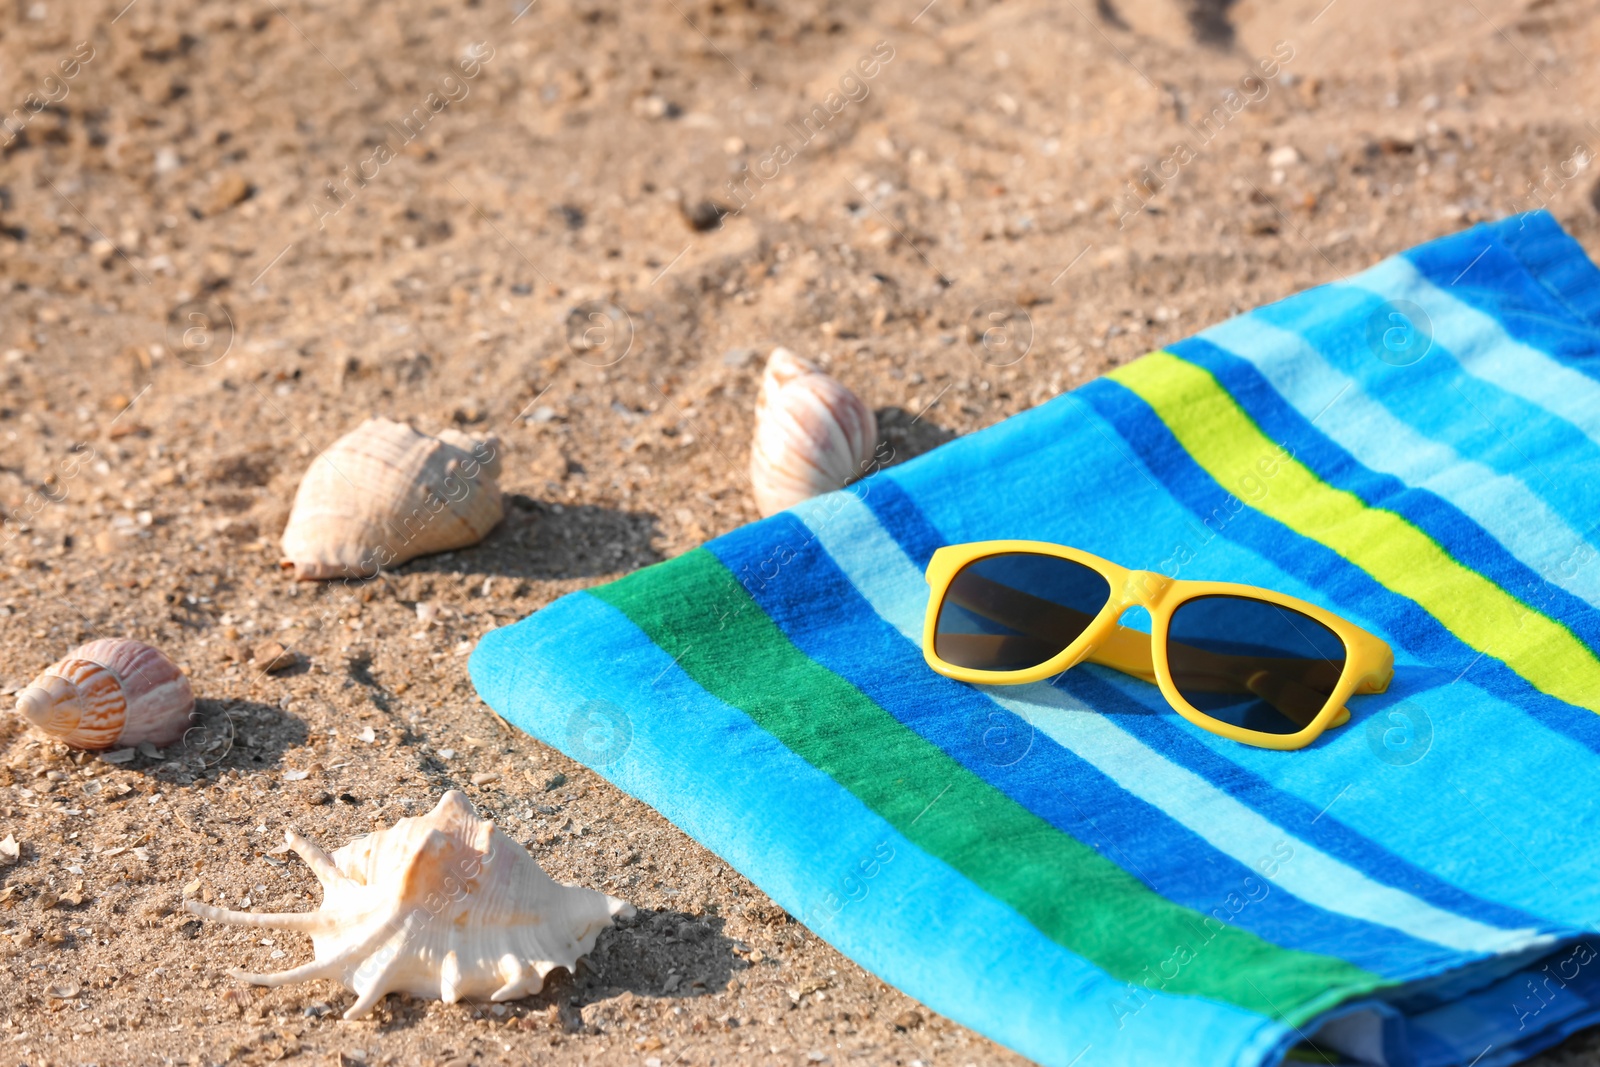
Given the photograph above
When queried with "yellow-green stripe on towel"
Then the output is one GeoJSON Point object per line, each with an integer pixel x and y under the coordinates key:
{"type": "Point", "coordinates": [1225, 441]}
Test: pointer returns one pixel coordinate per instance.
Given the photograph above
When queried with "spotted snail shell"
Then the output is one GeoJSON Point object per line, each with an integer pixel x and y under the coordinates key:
{"type": "Point", "coordinates": [444, 905]}
{"type": "Point", "coordinates": [385, 493]}
{"type": "Point", "coordinates": [111, 693]}
{"type": "Point", "coordinates": [813, 435]}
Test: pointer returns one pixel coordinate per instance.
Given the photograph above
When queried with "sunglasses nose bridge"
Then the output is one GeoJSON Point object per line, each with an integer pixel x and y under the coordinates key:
{"type": "Point", "coordinates": [1145, 588]}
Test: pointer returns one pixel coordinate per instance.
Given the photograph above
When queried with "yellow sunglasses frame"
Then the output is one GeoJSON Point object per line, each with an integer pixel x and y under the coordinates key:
{"type": "Point", "coordinates": [1369, 662]}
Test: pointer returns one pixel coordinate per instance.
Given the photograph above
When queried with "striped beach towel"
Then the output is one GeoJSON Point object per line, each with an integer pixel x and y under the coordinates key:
{"type": "Point", "coordinates": [1074, 870]}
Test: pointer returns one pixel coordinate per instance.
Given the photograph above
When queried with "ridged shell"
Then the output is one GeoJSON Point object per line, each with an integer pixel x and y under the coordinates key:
{"type": "Point", "coordinates": [445, 905]}
{"type": "Point", "coordinates": [813, 435]}
{"type": "Point", "coordinates": [385, 493]}
{"type": "Point", "coordinates": [111, 693]}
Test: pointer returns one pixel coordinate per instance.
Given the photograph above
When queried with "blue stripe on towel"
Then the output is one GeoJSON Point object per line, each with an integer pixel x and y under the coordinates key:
{"type": "Point", "coordinates": [1453, 531]}
{"type": "Point", "coordinates": [1140, 709]}
{"type": "Point", "coordinates": [708, 768]}
{"type": "Point", "coordinates": [1068, 792]}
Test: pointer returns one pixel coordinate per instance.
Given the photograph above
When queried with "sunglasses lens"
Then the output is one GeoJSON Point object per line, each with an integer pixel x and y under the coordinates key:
{"type": "Point", "coordinates": [1252, 664]}
{"type": "Point", "coordinates": [1016, 610]}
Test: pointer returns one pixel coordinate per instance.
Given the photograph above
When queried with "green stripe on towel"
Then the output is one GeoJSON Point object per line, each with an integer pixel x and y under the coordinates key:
{"type": "Point", "coordinates": [696, 611]}
{"type": "Point", "coordinates": [1225, 441]}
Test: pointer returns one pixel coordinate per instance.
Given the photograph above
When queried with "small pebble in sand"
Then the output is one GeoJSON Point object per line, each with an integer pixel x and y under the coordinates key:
{"type": "Point", "coordinates": [1283, 156]}
{"type": "Point", "coordinates": [272, 657]}
{"type": "Point", "coordinates": [485, 778]}
{"type": "Point", "coordinates": [704, 215]}
{"type": "Point", "coordinates": [657, 107]}
{"type": "Point", "coordinates": [229, 189]}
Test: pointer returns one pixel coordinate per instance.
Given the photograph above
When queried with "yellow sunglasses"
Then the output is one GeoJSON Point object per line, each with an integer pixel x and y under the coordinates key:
{"type": "Point", "coordinates": [1248, 663]}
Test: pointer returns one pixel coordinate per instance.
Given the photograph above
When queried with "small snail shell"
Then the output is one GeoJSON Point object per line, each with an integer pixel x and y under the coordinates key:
{"type": "Point", "coordinates": [114, 692]}
{"type": "Point", "coordinates": [384, 493]}
{"type": "Point", "coordinates": [813, 435]}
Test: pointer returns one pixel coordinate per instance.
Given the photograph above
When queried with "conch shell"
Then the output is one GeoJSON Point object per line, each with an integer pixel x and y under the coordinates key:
{"type": "Point", "coordinates": [444, 905]}
{"type": "Point", "coordinates": [115, 692]}
{"type": "Point", "coordinates": [813, 435]}
{"type": "Point", "coordinates": [384, 493]}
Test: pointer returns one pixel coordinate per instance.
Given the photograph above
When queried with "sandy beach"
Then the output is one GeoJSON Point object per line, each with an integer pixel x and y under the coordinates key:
{"type": "Point", "coordinates": [229, 232]}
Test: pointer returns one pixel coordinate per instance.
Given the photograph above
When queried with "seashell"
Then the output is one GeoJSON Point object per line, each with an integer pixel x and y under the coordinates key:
{"type": "Point", "coordinates": [111, 693]}
{"type": "Point", "coordinates": [385, 493]}
{"type": "Point", "coordinates": [444, 905]}
{"type": "Point", "coordinates": [813, 435]}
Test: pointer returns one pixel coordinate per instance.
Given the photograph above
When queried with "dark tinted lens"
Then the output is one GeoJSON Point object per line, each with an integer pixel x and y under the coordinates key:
{"type": "Point", "coordinates": [1253, 664]}
{"type": "Point", "coordinates": [1013, 611]}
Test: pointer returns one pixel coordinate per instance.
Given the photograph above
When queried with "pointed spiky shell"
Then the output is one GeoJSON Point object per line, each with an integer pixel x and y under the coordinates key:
{"type": "Point", "coordinates": [111, 693]}
{"type": "Point", "coordinates": [445, 905]}
{"type": "Point", "coordinates": [385, 493]}
{"type": "Point", "coordinates": [813, 435]}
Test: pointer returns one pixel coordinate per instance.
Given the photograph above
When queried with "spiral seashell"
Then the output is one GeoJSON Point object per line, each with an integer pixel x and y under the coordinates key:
{"type": "Point", "coordinates": [445, 905]}
{"type": "Point", "coordinates": [384, 493]}
{"type": "Point", "coordinates": [813, 435]}
{"type": "Point", "coordinates": [111, 693]}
